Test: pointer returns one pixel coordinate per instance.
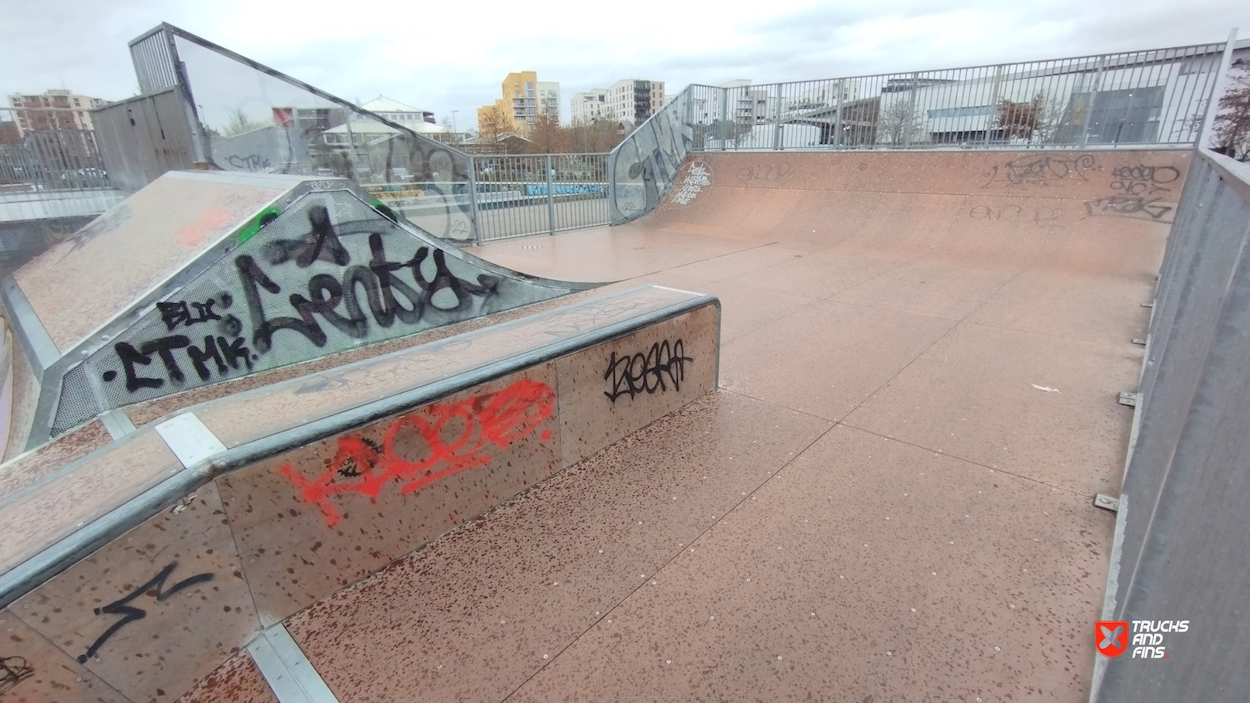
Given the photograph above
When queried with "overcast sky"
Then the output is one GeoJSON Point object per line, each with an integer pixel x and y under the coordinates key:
{"type": "Point", "coordinates": [450, 55]}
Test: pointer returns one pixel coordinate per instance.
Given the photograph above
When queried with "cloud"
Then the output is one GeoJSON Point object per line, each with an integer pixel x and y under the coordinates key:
{"type": "Point", "coordinates": [452, 56]}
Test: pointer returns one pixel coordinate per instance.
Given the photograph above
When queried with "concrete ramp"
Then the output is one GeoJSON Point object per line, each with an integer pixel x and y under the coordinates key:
{"type": "Point", "coordinates": [201, 278]}
{"type": "Point", "coordinates": [1078, 212]}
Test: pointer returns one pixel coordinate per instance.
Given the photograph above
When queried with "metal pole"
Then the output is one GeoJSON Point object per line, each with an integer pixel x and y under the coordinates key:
{"type": "Point", "coordinates": [1217, 89]}
{"type": "Point", "coordinates": [201, 144]}
{"type": "Point", "coordinates": [724, 107]}
{"type": "Point", "coordinates": [911, 110]}
{"type": "Point", "coordinates": [994, 104]}
{"type": "Point", "coordinates": [474, 224]}
{"type": "Point", "coordinates": [551, 198]}
{"type": "Point", "coordinates": [1089, 105]}
{"type": "Point", "coordinates": [777, 119]}
{"type": "Point", "coordinates": [837, 125]}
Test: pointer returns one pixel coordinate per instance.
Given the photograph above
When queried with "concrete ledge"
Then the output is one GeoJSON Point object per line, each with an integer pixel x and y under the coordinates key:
{"type": "Point", "coordinates": [324, 480]}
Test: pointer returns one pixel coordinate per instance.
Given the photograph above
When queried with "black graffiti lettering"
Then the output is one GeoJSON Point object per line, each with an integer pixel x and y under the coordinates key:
{"type": "Point", "coordinates": [164, 348]}
{"type": "Point", "coordinates": [130, 613]}
{"type": "Point", "coordinates": [444, 279]}
{"type": "Point", "coordinates": [320, 243]}
{"type": "Point", "coordinates": [199, 356]}
{"type": "Point", "coordinates": [1042, 170]}
{"type": "Point", "coordinates": [323, 237]}
{"type": "Point", "coordinates": [639, 373]}
{"type": "Point", "coordinates": [176, 313]}
{"type": "Point", "coordinates": [130, 356]}
{"type": "Point", "coordinates": [252, 162]}
{"type": "Point", "coordinates": [233, 351]}
{"type": "Point", "coordinates": [223, 354]}
{"type": "Point", "coordinates": [1127, 206]}
{"type": "Point", "coordinates": [326, 294]}
{"type": "Point", "coordinates": [383, 271]}
{"type": "Point", "coordinates": [363, 277]}
{"type": "Point", "coordinates": [13, 670]}
{"type": "Point", "coordinates": [1151, 174]}
{"type": "Point", "coordinates": [231, 326]}
{"type": "Point", "coordinates": [253, 278]}
{"type": "Point", "coordinates": [1143, 180]}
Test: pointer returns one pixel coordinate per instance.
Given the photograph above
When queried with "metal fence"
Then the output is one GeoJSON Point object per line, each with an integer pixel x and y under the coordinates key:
{"type": "Point", "coordinates": [1143, 97]}
{"type": "Point", "coordinates": [1154, 97]}
{"type": "Point", "coordinates": [521, 195]}
{"type": "Point", "coordinates": [39, 153]}
{"type": "Point", "coordinates": [51, 174]}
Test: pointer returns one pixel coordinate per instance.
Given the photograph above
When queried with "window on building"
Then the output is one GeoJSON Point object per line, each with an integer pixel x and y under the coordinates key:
{"type": "Point", "coordinates": [974, 111]}
{"type": "Point", "coordinates": [1125, 116]}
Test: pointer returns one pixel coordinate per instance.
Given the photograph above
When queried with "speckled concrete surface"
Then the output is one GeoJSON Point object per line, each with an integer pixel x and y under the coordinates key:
{"type": "Point", "coordinates": [889, 499]}
{"type": "Point", "coordinates": [236, 681]}
{"type": "Point", "coordinates": [474, 615]}
{"type": "Point", "coordinates": [897, 510]}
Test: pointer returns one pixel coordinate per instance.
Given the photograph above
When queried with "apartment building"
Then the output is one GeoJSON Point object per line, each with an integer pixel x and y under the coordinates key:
{"type": "Point", "coordinates": [522, 99]}
{"type": "Point", "coordinates": [53, 110]}
{"type": "Point", "coordinates": [399, 113]}
{"type": "Point", "coordinates": [629, 100]}
{"type": "Point", "coordinates": [588, 106]}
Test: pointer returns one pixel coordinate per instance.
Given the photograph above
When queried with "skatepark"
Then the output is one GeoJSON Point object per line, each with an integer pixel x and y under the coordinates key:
{"type": "Point", "coordinates": [815, 425]}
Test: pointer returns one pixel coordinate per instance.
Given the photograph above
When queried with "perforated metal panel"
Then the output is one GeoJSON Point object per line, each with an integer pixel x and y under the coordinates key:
{"type": "Point", "coordinates": [77, 402]}
{"type": "Point", "coordinates": [327, 274]}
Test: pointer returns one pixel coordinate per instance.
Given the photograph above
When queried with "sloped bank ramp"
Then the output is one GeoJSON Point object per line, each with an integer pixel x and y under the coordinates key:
{"type": "Point", "coordinates": [201, 278]}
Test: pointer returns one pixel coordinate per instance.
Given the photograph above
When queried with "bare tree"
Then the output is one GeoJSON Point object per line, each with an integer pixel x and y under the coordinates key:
{"type": "Point", "coordinates": [547, 136]}
{"type": "Point", "coordinates": [898, 124]}
{"type": "Point", "coordinates": [1231, 126]}
{"type": "Point", "coordinates": [239, 122]}
{"type": "Point", "coordinates": [1037, 120]}
{"type": "Point", "coordinates": [1018, 120]}
{"type": "Point", "coordinates": [493, 125]}
{"type": "Point", "coordinates": [1049, 119]}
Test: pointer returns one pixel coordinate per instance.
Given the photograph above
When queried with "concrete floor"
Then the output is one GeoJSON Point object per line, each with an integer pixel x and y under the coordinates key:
{"type": "Point", "coordinates": [891, 496]}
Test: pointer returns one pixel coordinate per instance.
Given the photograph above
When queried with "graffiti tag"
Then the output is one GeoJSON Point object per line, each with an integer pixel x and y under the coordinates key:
{"type": "Point", "coordinates": [699, 176]}
{"type": "Point", "coordinates": [455, 437]}
{"type": "Point", "coordinates": [1042, 170]}
{"type": "Point", "coordinates": [13, 670]}
{"type": "Point", "coordinates": [129, 613]}
{"type": "Point", "coordinates": [646, 372]}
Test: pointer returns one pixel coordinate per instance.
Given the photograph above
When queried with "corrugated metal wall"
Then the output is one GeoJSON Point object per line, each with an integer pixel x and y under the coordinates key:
{"type": "Point", "coordinates": [142, 138]}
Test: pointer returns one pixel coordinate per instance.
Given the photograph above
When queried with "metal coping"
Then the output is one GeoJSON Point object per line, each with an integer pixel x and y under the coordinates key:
{"type": "Point", "coordinates": [40, 350]}
{"type": "Point", "coordinates": [42, 567]}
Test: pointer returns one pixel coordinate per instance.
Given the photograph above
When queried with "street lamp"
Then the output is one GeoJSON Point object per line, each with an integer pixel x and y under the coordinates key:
{"type": "Point", "coordinates": [453, 121]}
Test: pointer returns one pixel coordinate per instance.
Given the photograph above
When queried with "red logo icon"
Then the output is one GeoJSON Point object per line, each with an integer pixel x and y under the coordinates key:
{"type": "Point", "coordinates": [1111, 637]}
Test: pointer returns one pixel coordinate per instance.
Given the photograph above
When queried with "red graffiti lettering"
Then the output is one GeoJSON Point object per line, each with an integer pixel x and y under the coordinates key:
{"type": "Point", "coordinates": [364, 467]}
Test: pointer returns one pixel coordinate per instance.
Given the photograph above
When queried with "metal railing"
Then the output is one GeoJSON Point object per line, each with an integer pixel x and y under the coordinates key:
{"type": "Point", "coordinates": [50, 168]}
{"type": "Point", "coordinates": [1153, 97]}
{"type": "Point", "coordinates": [40, 151]}
{"type": "Point", "coordinates": [1143, 97]}
{"type": "Point", "coordinates": [548, 193]}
